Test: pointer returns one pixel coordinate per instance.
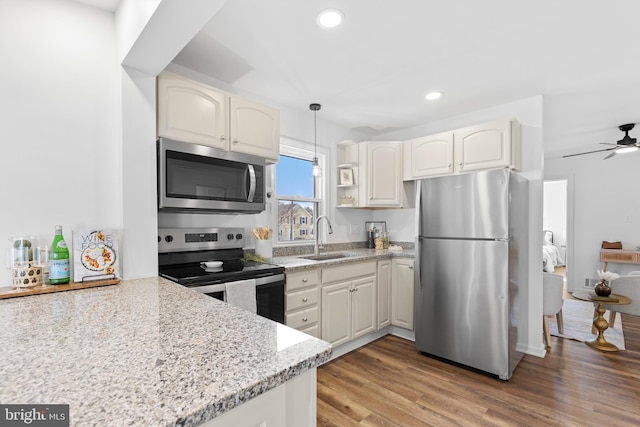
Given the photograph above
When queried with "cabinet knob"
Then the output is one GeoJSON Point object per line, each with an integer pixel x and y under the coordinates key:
{"type": "Point", "coordinates": [222, 138]}
{"type": "Point", "coordinates": [304, 300]}
{"type": "Point", "coordinates": [304, 319]}
{"type": "Point", "coordinates": [355, 289]}
{"type": "Point", "coordinates": [449, 165]}
{"type": "Point", "coordinates": [304, 280]}
{"type": "Point", "coordinates": [235, 140]}
{"type": "Point", "coordinates": [411, 267]}
{"type": "Point", "coordinates": [460, 164]}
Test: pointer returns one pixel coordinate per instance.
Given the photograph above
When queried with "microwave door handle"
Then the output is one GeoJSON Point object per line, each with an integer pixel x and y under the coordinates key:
{"type": "Point", "coordinates": [251, 173]}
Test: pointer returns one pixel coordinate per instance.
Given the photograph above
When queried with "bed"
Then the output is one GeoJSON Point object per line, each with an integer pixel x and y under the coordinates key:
{"type": "Point", "coordinates": [551, 257]}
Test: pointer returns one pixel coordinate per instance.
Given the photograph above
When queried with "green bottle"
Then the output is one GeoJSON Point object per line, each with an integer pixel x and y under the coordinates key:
{"type": "Point", "coordinates": [59, 271]}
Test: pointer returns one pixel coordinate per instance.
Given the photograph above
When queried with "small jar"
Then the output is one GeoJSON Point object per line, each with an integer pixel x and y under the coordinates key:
{"type": "Point", "coordinates": [379, 244]}
{"type": "Point", "coordinates": [385, 240]}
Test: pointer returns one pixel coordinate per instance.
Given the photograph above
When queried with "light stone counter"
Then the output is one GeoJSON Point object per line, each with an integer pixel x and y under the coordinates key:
{"type": "Point", "coordinates": [295, 263]}
{"type": "Point", "coordinates": [144, 352]}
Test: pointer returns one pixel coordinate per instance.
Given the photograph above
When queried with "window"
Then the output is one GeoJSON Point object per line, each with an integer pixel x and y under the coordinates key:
{"type": "Point", "coordinates": [297, 193]}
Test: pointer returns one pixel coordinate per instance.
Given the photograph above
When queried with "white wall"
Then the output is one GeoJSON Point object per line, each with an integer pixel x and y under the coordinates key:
{"type": "Point", "coordinates": [60, 105]}
{"type": "Point", "coordinates": [605, 206]}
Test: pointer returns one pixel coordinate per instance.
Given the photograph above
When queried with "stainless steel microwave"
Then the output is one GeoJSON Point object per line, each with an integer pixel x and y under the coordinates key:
{"type": "Point", "coordinates": [194, 178]}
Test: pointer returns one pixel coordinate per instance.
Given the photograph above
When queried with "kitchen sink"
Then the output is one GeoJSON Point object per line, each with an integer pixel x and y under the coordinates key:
{"type": "Point", "coordinates": [325, 257]}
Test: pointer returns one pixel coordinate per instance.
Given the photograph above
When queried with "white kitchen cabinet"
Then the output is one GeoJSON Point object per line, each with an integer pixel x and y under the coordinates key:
{"type": "Point", "coordinates": [489, 145]}
{"type": "Point", "coordinates": [337, 313]}
{"type": "Point", "coordinates": [193, 112]}
{"type": "Point", "coordinates": [348, 302]}
{"type": "Point", "coordinates": [384, 293]}
{"type": "Point", "coordinates": [303, 301]}
{"type": "Point", "coordinates": [254, 128]}
{"type": "Point", "coordinates": [381, 174]}
{"type": "Point", "coordinates": [402, 293]}
{"type": "Point", "coordinates": [428, 155]}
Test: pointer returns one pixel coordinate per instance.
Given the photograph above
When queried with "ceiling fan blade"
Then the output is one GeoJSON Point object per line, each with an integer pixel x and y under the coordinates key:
{"type": "Point", "coordinates": [613, 153]}
{"type": "Point", "coordinates": [607, 143]}
{"type": "Point", "coordinates": [589, 152]}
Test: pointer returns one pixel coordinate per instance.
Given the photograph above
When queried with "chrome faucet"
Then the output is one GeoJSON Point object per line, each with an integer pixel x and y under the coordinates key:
{"type": "Point", "coordinates": [316, 247]}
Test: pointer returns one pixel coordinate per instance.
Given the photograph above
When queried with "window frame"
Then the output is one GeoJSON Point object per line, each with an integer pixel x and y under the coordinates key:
{"type": "Point", "coordinates": [293, 148]}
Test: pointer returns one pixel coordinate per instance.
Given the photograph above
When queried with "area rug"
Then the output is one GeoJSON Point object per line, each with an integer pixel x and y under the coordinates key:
{"type": "Point", "coordinates": [577, 317]}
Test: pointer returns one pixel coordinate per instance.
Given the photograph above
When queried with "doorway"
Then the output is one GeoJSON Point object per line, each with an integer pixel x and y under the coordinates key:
{"type": "Point", "coordinates": [554, 224]}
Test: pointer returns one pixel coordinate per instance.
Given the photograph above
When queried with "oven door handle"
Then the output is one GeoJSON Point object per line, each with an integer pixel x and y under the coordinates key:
{"type": "Point", "coordinates": [222, 287]}
{"type": "Point", "coordinates": [251, 175]}
{"type": "Point", "coordinates": [208, 289]}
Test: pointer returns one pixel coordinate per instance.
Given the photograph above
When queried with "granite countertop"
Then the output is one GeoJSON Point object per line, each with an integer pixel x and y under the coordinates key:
{"type": "Point", "coordinates": [294, 263]}
{"type": "Point", "coordinates": [144, 352]}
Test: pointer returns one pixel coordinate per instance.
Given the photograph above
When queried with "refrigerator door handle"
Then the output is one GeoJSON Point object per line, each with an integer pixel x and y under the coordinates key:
{"type": "Point", "coordinates": [417, 270]}
{"type": "Point", "coordinates": [418, 228]}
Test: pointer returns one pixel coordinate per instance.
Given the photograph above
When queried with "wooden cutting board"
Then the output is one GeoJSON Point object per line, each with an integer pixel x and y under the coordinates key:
{"type": "Point", "coordinates": [11, 292]}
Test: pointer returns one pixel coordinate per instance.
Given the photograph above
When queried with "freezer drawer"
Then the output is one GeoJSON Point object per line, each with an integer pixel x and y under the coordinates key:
{"type": "Point", "coordinates": [462, 303]}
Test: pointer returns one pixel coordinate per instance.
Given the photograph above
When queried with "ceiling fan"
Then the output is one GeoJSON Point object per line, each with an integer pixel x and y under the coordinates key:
{"type": "Point", "coordinates": [624, 145]}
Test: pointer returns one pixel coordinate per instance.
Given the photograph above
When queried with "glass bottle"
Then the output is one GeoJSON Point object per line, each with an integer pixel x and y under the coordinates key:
{"type": "Point", "coordinates": [59, 270]}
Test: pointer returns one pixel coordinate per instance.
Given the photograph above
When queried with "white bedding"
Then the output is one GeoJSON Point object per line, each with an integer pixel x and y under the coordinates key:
{"type": "Point", "coordinates": [550, 258]}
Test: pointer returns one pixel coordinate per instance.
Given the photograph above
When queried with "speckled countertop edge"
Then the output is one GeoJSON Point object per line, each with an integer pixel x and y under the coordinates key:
{"type": "Point", "coordinates": [296, 263]}
{"type": "Point", "coordinates": [144, 352]}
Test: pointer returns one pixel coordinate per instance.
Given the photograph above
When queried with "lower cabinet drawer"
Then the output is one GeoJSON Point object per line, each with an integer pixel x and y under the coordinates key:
{"type": "Point", "coordinates": [296, 300]}
{"type": "Point", "coordinates": [303, 318]}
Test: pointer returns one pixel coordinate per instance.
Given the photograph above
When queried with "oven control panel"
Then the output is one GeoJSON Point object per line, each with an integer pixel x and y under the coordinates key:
{"type": "Point", "coordinates": [194, 239]}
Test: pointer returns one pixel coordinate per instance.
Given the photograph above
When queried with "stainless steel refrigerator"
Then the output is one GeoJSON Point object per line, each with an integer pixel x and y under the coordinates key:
{"type": "Point", "coordinates": [471, 253]}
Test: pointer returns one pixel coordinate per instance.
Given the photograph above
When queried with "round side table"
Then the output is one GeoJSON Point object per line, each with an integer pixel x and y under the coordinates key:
{"type": "Point", "coordinates": [599, 322]}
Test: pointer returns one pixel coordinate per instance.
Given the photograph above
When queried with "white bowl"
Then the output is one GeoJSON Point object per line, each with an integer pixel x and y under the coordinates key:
{"type": "Point", "coordinates": [212, 264]}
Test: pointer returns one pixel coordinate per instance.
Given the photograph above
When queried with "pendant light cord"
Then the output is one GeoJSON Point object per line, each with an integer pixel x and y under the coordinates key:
{"type": "Point", "coordinates": [316, 166]}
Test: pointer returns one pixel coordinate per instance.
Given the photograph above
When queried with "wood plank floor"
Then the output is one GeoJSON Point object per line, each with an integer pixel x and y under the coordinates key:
{"type": "Point", "coordinates": [389, 383]}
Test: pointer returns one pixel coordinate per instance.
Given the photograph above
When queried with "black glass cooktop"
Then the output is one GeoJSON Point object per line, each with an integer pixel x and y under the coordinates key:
{"type": "Point", "coordinates": [195, 274]}
{"type": "Point", "coordinates": [186, 268]}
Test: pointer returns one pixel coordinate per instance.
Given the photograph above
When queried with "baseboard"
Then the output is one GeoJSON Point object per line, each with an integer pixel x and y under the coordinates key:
{"type": "Point", "coordinates": [538, 351]}
{"type": "Point", "coordinates": [402, 333]}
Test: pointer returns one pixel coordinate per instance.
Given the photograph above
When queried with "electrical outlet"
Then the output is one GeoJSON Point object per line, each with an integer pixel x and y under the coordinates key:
{"type": "Point", "coordinates": [355, 230]}
{"type": "Point", "coordinates": [590, 283]}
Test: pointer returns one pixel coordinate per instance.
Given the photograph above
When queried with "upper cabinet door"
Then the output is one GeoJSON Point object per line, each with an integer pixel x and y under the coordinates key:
{"type": "Point", "coordinates": [191, 112]}
{"type": "Point", "coordinates": [428, 156]}
{"type": "Point", "coordinates": [255, 129]}
{"type": "Point", "coordinates": [483, 146]}
{"type": "Point", "coordinates": [384, 173]}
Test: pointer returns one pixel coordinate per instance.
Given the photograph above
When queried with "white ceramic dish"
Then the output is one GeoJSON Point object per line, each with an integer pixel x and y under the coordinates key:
{"type": "Point", "coordinates": [211, 264]}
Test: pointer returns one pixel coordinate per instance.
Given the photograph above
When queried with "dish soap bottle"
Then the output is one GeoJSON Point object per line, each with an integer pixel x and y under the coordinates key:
{"type": "Point", "coordinates": [59, 271]}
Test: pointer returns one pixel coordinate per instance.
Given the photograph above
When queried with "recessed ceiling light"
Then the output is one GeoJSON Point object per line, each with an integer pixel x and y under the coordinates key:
{"type": "Point", "coordinates": [330, 18]}
{"type": "Point", "coordinates": [431, 96]}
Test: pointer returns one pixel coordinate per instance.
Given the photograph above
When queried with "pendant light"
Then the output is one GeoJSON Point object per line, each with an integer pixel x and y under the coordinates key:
{"type": "Point", "coordinates": [315, 166]}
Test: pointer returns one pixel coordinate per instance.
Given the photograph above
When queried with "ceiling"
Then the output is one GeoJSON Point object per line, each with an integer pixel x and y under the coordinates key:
{"type": "Point", "coordinates": [372, 72]}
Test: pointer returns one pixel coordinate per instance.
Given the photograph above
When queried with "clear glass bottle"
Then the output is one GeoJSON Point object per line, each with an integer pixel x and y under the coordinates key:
{"type": "Point", "coordinates": [59, 269]}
